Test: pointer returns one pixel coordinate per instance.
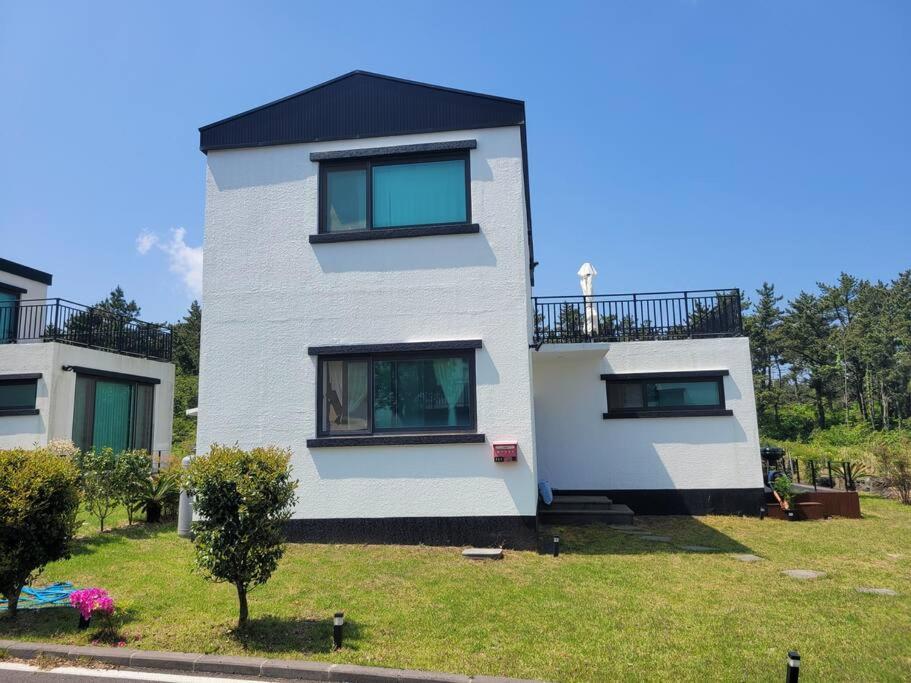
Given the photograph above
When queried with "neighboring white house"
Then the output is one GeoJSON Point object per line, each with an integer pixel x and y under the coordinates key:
{"type": "Point", "coordinates": [75, 372]}
{"type": "Point", "coordinates": [368, 289]}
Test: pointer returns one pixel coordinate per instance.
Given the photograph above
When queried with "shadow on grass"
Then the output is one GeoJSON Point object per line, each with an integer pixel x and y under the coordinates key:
{"type": "Point", "coordinates": [138, 531]}
{"type": "Point", "coordinates": [601, 539]}
{"type": "Point", "coordinates": [49, 623]}
{"type": "Point", "coordinates": [289, 634]}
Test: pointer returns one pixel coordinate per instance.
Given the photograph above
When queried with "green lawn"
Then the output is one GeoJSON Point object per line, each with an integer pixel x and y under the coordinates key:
{"type": "Point", "coordinates": [611, 607]}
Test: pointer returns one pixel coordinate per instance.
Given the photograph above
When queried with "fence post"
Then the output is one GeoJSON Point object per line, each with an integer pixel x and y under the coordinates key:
{"type": "Point", "coordinates": [185, 508]}
{"type": "Point", "coordinates": [813, 473]}
{"type": "Point", "coordinates": [793, 670]}
{"type": "Point", "coordinates": [56, 319]}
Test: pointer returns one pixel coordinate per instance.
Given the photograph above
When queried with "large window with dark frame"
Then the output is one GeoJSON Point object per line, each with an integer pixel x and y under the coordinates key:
{"type": "Point", "coordinates": [110, 413]}
{"type": "Point", "coordinates": [380, 193]}
{"type": "Point", "coordinates": [396, 393]}
{"type": "Point", "coordinates": [671, 395]}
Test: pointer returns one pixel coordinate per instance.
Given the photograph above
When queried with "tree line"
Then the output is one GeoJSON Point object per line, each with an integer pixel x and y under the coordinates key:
{"type": "Point", "coordinates": [840, 355]}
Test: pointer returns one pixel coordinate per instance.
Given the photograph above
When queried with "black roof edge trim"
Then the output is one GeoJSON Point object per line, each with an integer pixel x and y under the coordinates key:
{"type": "Point", "coordinates": [393, 150]}
{"type": "Point", "coordinates": [532, 264]}
{"type": "Point", "coordinates": [399, 347]}
{"type": "Point", "coordinates": [354, 73]}
{"type": "Point", "coordinates": [14, 268]}
{"type": "Point", "coordinates": [20, 375]}
{"type": "Point", "coordinates": [670, 373]}
{"type": "Point", "coordinates": [109, 374]}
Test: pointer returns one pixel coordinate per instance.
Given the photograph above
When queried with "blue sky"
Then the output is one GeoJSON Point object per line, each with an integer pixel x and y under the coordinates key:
{"type": "Point", "coordinates": [677, 144]}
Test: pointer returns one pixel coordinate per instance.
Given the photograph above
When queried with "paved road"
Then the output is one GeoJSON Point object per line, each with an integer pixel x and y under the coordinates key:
{"type": "Point", "coordinates": [25, 673]}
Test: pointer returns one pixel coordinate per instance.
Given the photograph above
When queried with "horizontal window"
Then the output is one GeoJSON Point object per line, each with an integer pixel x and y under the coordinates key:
{"type": "Point", "coordinates": [396, 393]}
{"type": "Point", "coordinates": [686, 393]}
{"type": "Point", "coordinates": [17, 396]}
{"type": "Point", "coordinates": [394, 192]}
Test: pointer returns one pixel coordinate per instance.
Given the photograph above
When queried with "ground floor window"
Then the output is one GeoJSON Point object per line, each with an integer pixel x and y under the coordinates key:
{"type": "Point", "coordinates": [111, 413]}
{"type": "Point", "coordinates": [381, 393]}
{"type": "Point", "coordinates": [18, 394]}
{"type": "Point", "coordinates": [665, 395]}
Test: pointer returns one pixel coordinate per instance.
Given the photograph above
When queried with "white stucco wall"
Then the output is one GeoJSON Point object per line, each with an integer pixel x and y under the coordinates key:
{"type": "Point", "coordinates": [56, 391]}
{"type": "Point", "coordinates": [577, 449]}
{"type": "Point", "coordinates": [34, 290]}
{"type": "Point", "coordinates": [270, 294]}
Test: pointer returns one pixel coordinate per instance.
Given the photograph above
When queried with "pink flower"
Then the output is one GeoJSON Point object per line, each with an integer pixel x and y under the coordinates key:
{"type": "Point", "coordinates": [91, 601]}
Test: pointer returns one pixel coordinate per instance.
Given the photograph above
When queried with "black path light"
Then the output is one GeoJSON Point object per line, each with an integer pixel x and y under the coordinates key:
{"type": "Point", "coordinates": [793, 667]}
{"type": "Point", "coordinates": [338, 621]}
{"type": "Point", "coordinates": [556, 546]}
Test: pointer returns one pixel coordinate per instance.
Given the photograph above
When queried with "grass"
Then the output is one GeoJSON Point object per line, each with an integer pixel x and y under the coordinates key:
{"type": "Point", "coordinates": [611, 607]}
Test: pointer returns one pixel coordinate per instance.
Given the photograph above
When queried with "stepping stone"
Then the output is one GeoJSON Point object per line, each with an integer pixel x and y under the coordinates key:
{"type": "Point", "coordinates": [747, 557]}
{"type": "Point", "coordinates": [483, 553]}
{"type": "Point", "coordinates": [803, 574]}
{"type": "Point", "coordinates": [876, 591]}
{"type": "Point", "coordinates": [656, 539]}
{"type": "Point", "coordinates": [699, 548]}
{"type": "Point", "coordinates": [626, 529]}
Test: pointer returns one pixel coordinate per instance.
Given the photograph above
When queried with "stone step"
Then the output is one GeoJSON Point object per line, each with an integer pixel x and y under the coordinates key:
{"type": "Point", "coordinates": [564, 502]}
{"type": "Point", "coordinates": [616, 514]}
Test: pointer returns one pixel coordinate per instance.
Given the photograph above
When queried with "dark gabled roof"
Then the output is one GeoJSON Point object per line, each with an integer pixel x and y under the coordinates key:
{"type": "Point", "coordinates": [361, 105]}
{"type": "Point", "coordinates": [24, 271]}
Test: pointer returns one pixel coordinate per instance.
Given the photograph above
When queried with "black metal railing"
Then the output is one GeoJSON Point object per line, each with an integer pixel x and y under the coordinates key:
{"type": "Point", "coordinates": [59, 320]}
{"type": "Point", "coordinates": [637, 317]}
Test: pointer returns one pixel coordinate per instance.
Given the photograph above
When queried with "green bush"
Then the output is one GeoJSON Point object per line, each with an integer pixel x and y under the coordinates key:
{"type": "Point", "coordinates": [132, 471]}
{"type": "Point", "coordinates": [98, 482]}
{"type": "Point", "coordinates": [39, 499]}
{"type": "Point", "coordinates": [243, 499]}
{"type": "Point", "coordinates": [782, 486]}
{"type": "Point", "coordinates": [161, 494]}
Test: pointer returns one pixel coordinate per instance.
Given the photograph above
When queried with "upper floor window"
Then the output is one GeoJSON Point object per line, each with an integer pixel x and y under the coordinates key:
{"type": "Point", "coordinates": [396, 192]}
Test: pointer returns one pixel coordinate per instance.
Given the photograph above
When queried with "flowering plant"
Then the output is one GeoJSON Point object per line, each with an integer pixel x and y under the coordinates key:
{"type": "Point", "coordinates": [91, 601]}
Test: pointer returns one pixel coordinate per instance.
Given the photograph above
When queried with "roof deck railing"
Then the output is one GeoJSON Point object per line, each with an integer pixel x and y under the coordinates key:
{"type": "Point", "coordinates": [60, 320]}
{"type": "Point", "coordinates": [637, 317]}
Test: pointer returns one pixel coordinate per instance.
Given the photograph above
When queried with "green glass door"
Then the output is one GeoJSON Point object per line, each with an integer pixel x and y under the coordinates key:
{"type": "Point", "coordinates": [111, 427]}
{"type": "Point", "coordinates": [9, 303]}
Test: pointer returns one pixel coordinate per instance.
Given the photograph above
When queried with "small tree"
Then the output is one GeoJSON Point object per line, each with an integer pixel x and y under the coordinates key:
{"type": "Point", "coordinates": [243, 499]}
{"type": "Point", "coordinates": [132, 471]}
{"type": "Point", "coordinates": [39, 499]}
{"type": "Point", "coordinates": [892, 458]}
{"type": "Point", "coordinates": [98, 481]}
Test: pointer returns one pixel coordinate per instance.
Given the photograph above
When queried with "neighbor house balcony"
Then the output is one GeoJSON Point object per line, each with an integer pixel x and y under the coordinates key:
{"type": "Point", "coordinates": [647, 316]}
{"type": "Point", "coordinates": [59, 320]}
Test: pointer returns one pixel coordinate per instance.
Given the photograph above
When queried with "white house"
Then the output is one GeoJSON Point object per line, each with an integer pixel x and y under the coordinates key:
{"type": "Point", "coordinates": [75, 372]}
{"type": "Point", "coordinates": [368, 289]}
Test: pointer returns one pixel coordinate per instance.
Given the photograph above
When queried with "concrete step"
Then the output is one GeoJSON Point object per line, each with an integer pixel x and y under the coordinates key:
{"type": "Point", "coordinates": [616, 514]}
{"type": "Point", "coordinates": [581, 502]}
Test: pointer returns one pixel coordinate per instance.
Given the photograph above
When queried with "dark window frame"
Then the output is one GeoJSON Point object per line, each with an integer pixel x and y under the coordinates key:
{"type": "Point", "coordinates": [645, 378]}
{"type": "Point", "coordinates": [14, 311]}
{"type": "Point", "coordinates": [367, 164]}
{"type": "Point", "coordinates": [21, 379]}
{"type": "Point", "coordinates": [95, 376]}
{"type": "Point", "coordinates": [468, 354]}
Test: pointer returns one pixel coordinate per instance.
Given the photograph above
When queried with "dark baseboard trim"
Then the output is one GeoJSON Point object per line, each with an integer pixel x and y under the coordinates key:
{"type": "Point", "coordinates": [518, 532]}
{"type": "Point", "coordinates": [681, 501]}
{"type": "Point", "coordinates": [394, 440]}
{"type": "Point", "coordinates": [394, 233]}
{"type": "Point", "coordinates": [637, 414]}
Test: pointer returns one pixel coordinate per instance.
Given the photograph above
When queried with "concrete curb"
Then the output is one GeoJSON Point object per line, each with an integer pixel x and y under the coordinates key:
{"type": "Point", "coordinates": [292, 669]}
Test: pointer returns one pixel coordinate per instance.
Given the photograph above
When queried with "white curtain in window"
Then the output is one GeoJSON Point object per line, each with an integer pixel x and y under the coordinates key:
{"type": "Point", "coordinates": [449, 373]}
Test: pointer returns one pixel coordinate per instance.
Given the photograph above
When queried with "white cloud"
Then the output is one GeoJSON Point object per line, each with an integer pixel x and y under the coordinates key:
{"type": "Point", "coordinates": [183, 260]}
{"type": "Point", "coordinates": [146, 241]}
